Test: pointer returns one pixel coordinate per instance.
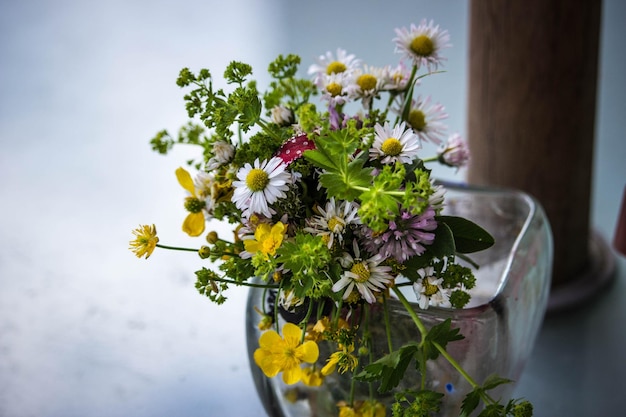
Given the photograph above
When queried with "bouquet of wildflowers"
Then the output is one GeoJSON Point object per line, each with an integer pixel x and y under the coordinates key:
{"type": "Point", "coordinates": [334, 211]}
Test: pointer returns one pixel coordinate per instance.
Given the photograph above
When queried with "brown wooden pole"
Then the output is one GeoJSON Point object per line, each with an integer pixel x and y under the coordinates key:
{"type": "Point", "coordinates": [531, 111]}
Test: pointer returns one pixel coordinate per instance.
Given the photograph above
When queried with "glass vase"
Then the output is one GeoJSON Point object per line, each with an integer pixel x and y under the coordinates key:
{"type": "Point", "coordinates": [499, 324]}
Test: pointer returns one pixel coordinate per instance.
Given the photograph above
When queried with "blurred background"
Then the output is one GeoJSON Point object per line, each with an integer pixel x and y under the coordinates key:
{"type": "Point", "coordinates": [86, 328]}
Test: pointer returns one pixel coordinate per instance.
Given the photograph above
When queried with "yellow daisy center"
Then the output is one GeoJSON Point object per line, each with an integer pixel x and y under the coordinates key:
{"type": "Point", "coordinates": [354, 297]}
{"type": "Point", "coordinates": [257, 180]}
{"type": "Point", "coordinates": [391, 146]}
{"type": "Point", "coordinates": [366, 82]}
{"type": "Point", "coordinates": [422, 46]}
{"type": "Point", "coordinates": [429, 289]}
{"type": "Point", "coordinates": [417, 120]}
{"type": "Point", "coordinates": [335, 67]}
{"type": "Point", "coordinates": [361, 270]}
{"type": "Point", "coordinates": [335, 224]}
{"type": "Point", "coordinates": [334, 89]}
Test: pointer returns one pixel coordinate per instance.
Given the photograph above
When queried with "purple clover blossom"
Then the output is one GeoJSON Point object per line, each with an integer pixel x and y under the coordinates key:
{"type": "Point", "coordinates": [405, 237]}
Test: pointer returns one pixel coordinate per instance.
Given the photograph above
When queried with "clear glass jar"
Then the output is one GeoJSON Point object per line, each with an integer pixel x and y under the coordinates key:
{"type": "Point", "coordinates": [500, 324]}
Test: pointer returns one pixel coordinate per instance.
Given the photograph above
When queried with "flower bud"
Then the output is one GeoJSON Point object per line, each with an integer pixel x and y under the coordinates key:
{"type": "Point", "coordinates": [211, 237]}
{"type": "Point", "coordinates": [204, 252]}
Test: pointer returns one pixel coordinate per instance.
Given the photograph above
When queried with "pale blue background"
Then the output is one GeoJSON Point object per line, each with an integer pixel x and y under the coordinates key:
{"type": "Point", "coordinates": [87, 329]}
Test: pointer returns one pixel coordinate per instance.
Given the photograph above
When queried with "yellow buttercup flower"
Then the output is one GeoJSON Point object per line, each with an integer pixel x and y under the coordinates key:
{"type": "Point", "coordinates": [312, 377]}
{"type": "Point", "coordinates": [266, 239]}
{"type": "Point", "coordinates": [343, 358]}
{"type": "Point", "coordinates": [145, 240]}
{"type": "Point", "coordinates": [285, 354]}
{"type": "Point", "coordinates": [194, 223]}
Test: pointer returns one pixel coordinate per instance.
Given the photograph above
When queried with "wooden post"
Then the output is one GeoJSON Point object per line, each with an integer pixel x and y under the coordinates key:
{"type": "Point", "coordinates": [531, 111]}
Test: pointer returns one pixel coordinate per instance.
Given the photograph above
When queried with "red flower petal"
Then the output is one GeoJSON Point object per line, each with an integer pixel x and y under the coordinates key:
{"type": "Point", "coordinates": [294, 147]}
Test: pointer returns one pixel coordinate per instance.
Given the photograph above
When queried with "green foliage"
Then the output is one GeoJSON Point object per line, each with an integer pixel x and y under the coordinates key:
{"type": "Point", "coordinates": [162, 142]}
{"type": "Point", "coordinates": [236, 72]}
{"type": "Point", "coordinates": [438, 337]}
{"type": "Point", "coordinates": [416, 403]}
{"type": "Point", "coordinates": [473, 398]}
{"type": "Point", "coordinates": [208, 283]}
{"type": "Point", "coordinates": [305, 257]}
{"type": "Point", "coordinates": [344, 175]}
{"type": "Point", "coordinates": [468, 236]}
{"type": "Point", "coordinates": [389, 369]}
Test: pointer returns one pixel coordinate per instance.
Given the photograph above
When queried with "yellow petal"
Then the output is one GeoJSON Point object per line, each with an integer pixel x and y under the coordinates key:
{"type": "Point", "coordinates": [308, 352]}
{"type": "Point", "coordinates": [184, 179]}
{"type": "Point", "coordinates": [262, 231]}
{"type": "Point", "coordinates": [330, 366]}
{"type": "Point", "coordinates": [194, 224]}
{"type": "Point", "coordinates": [251, 246]}
{"type": "Point", "coordinates": [292, 375]}
{"type": "Point", "coordinates": [266, 362]}
{"type": "Point", "coordinates": [311, 378]}
{"type": "Point", "coordinates": [291, 331]}
{"type": "Point", "coordinates": [270, 339]}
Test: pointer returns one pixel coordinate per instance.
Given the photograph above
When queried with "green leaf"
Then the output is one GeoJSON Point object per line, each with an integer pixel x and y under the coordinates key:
{"type": "Point", "coordinates": [493, 381]}
{"type": "Point", "coordinates": [470, 402]}
{"type": "Point", "coordinates": [468, 236]}
{"type": "Point", "coordinates": [440, 334]}
{"type": "Point", "coordinates": [390, 368]}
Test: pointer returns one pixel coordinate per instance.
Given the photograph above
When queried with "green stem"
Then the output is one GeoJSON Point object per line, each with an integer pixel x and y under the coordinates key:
{"type": "Point", "coordinates": [423, 331]}
{"type": "Point", "coordinates": [175, 248]}
{"type": "Point", "coordinates": [243, 283]}
{"type": "Point", "coordinates": [409, 309]}
{"type": "Point", "coordinates": [387, 323]}
{"type": "Point", "coordinates": [456, 365]}
{"type": "Point", "coordinates": [431, 159]}
{"type": "Point", "coordinates": [267, 129]}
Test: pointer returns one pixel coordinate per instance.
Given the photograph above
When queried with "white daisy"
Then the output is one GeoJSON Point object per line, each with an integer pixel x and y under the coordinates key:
{"type": "Point", "coordinates": [282, 115]}
{"type": "Point", "coordinates": [437, 198]}
{"type": "Point", "coordinates": [429, 291]}
{"type": "Point", "coordinates": [422, 44]}
{"type": "Point", "coordinates": [205, 184]}
{"type": "Point", "coordinates": [366, 83]}
{"type": "Point", "coordinates": [397, 79]}
{"type": "Point", "coordinates": [455, 152]}
{"type": "Point", "coordinates": [328, 64]}
{"type": "Point", "coordinates": [365, 274]}
{"type": "Point", "coordinates": [222, 153]}
{"type": "Point", "coordinates": [259, 186]}
{"type": "Point", "coordinates": [335, 88]}
{"type": "Point", "coordinates": [399, 144]}
{"type": "Point", "coordinates": [333, 221]}
{"type": "Point", "coordinates": [426, 119]}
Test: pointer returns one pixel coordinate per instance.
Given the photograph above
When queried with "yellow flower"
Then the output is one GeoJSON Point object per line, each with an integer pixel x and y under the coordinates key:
{"type": "Point", "coordinates": [266, 239]}
{"type": "Point", "coordinates": [372, 408]}
{"type": "Point", "coordinates": [145, 240]}
{"type": "Point", "coordinates": [342, 358]}
{"type": "Point", "coordinates": [312, 377]}
{"type": "Point", "coordinates": [347, 411]}
{"type": "Point", "coordinates": [194, 223]}
{"type": "Point", "coordinates": [277, 354]}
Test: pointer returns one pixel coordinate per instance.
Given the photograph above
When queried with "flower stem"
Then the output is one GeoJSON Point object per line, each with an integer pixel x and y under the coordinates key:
{"type": "Point", "coordinates": [176, 248]}
{"type": "Point", "coordinates": [456, 365]}
{"type": "Point", "coordinates": [387, 323]}
{"type": "Point", "coordinates": [412, 313]}
{"type": "Point", "coordinates": [424, 331]}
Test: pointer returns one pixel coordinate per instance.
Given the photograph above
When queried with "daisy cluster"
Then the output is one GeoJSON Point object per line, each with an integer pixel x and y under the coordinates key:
{"type": "Point", "coordinates": [329, 206]}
